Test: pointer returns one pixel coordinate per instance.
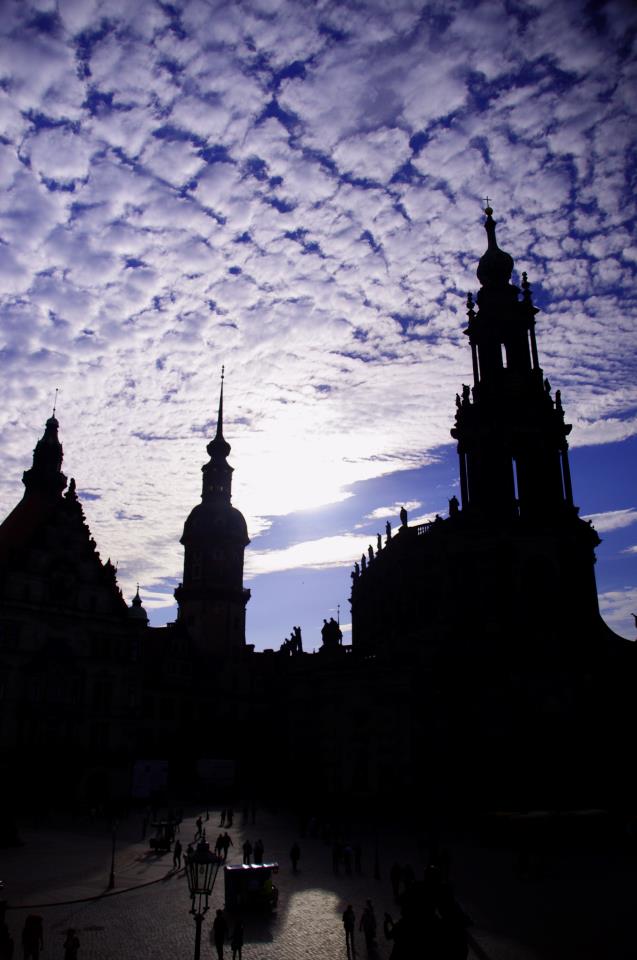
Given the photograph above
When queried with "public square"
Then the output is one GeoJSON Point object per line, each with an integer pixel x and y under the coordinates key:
{"type": "Point", "coordinates": [580, 905]}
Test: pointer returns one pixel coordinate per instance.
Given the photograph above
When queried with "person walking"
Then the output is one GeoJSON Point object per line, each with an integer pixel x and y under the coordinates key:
{"type": "Point", "coordinates": [258, 851]}
{"type": "Point", "coordinates": [349, 924]}
{"type": "Point", "coordinates": [396, 875]}
{"type": "Point", "coordinates": [219, 933]}
{"type": "Point", "coordinates": [177, 855]}
{"type": "Point", "coordinates": [227, 843]}
{"type": "Point", "coordinates": [32, 937]}
{"type": "Point", "coordinates": [6, 942]}
{"type": "Point", "coordinates": [199, 823]}
{"type": "Point", "coordinates": [236, 940]}
{"type": "Point", "coordinates": [295, 856]}
{"type": "Point", "coordinates": [71, 945]}
{"type": "Point", "coordinates": [368, 926]}
{"type": "Point", "coordinates": [247, 851]}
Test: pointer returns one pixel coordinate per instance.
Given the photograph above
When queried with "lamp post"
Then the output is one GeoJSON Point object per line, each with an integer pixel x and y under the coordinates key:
{"type": "Point", "coordinates": [202, 868]}
{"type": "Point", "coordinates": [111, 879]}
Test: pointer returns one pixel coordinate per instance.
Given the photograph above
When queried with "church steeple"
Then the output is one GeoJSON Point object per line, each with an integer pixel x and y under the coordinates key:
{"type": "Point", "coordinates": [212, 597]}
{"type": "Point", "coordinates": [511, 432]}
{"type": "Point", "coordinates": [45, 476]}
{"type": "Point", "coordinates": [217, 473]}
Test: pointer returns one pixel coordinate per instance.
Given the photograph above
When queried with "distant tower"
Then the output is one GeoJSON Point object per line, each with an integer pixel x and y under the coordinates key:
{"type": "Point", "coordinates": [45, 479]}
{"type": "Point", "coordinates": [212, 598]}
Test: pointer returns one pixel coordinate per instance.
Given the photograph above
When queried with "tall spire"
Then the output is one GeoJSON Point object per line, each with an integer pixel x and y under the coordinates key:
{"type": "Point", "coordinates": [217, 474]}
{"type": "Point", "coordinates": [219, 448]}
{"type": "Point", "coordinates": [220, 413]}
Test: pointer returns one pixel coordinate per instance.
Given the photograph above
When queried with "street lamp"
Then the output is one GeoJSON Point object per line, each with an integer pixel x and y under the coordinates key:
{"type": "Point", "coordinates": [202, 868]}
{"type": "Point", "coordinates": [111, 879]}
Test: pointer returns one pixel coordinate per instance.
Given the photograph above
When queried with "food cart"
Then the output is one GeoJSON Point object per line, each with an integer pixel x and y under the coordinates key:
{"type": "Point", "coordinates": [164, 835]}
{"type": "Point", "coordinates": [250, 886]}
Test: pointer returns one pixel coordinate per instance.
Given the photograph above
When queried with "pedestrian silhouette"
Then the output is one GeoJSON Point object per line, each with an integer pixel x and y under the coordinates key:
{"type": "Point", "coordinates": [227, 843]}
{"type": "Point", "coordinates": [236, 941]}
{"type": "Point", "coordinates": [6, 942]}
{"type": "Point", "coordinates": [295, 855]}
{"type": "Point", "coordinates": [258, 851]}
{"type": "Point", "coordinates": [368, 926]}
{"type": "Point", "coordinates": [398, 933]}
{"type": "Point", "coordinates": [32, 937]}
{"type": "Point", "coordinates": [71, 945]}
{"type": "Point", "coordinates": [219, 933]}
{"type": "Point", "coordinates": [247, 851]}
{"type": "Point", "coordinates": [349, 924]}
{"type": "Point", "coordinates": [395, 875]}
{"type": "Point", "coordinates": [177, 855]}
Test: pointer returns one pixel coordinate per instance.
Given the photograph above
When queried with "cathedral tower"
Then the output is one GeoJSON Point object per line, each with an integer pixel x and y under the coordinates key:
{"type": "Point", "coordinates": [212, 598]}
{"type": "Point", "coordinates": [515, 476]}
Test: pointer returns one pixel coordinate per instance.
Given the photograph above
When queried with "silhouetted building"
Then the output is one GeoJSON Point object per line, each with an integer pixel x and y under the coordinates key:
{"type": "Point", "coordinates": [480, 671]}
{"type": "Point", "coordinates": [212, 598]}
{"type": "Point", "coordinates": [69, 692]}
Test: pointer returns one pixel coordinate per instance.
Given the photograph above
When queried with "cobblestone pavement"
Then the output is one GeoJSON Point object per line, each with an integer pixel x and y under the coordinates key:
{"type": "Point", "coordinates": [147, 914]}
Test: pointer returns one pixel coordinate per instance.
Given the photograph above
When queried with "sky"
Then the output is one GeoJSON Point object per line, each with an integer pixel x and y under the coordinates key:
{"type": "Point", "coordinates": [295, 190]}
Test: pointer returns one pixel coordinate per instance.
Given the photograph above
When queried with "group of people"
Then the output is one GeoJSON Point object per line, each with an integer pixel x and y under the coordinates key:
{"type": "Point", "coordinates": [221, 934]}
{"type": "Point", "coordinates": [367, 924]}
{"type": "Point", "coordinates": [33, 940]}
{"type": "Point", "coordinates": [253, 852]}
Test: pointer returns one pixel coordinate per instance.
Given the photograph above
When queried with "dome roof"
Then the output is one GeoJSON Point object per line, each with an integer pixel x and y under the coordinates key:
{"type": "Point", "coordinates": [136, 610]}
{"type": "Point", "coordinates": [212, 521]}
{"type": "Point", "coordinates": [496, 265]}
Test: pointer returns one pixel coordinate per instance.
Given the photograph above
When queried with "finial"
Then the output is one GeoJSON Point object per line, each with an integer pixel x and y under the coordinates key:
{"type": "Point", "coordinates": [526, 288]}
{"type": "Point", "coordinates": [220, 413]}
{"type": "Point", "coordinates": [470, 307]}
{"type": "Point", "coordinates": [488, 209]}
{"type": "Point", "coordinates": [55, 401]}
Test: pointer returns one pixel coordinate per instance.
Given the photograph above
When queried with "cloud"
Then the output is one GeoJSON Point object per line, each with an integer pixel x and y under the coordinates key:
{"type": "Point", "coordinates": [617, 608]}
{"type": "Point", "coordinates": [320, 554]}
{"type": "Point", "coordinates": [612, 519]}
{"type": "Point", "coordinates": [382, 513]}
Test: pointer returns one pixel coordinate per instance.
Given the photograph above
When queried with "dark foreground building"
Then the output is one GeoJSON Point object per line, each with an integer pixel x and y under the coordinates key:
{"type": "Point", "coordinates": [480, 674]}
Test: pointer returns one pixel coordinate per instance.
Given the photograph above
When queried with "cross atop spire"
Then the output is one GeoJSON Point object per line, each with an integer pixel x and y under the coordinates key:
{"type": "Point", "coordinates": [55, 401]}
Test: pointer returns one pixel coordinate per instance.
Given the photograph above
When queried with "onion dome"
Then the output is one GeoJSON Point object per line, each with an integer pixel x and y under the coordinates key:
{"type": "Point", "coordinates": [495, 266]}
{"type": "Point", "coordinates": [136, 610]}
